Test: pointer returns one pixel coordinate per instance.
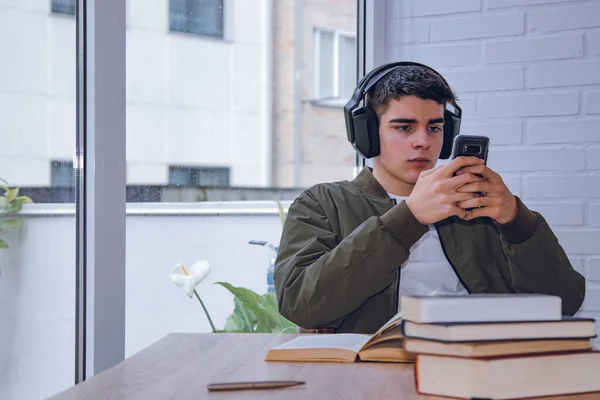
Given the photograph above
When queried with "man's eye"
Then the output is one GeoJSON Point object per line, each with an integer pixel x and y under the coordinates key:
{"type": "Point", "coordinates": [435, 128]}
{"type": "Point", "coordinates": [403, 128]}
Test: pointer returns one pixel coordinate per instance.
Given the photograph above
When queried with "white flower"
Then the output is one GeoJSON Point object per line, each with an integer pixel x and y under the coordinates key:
{"type": "Point", "coordinates": [188, 280]}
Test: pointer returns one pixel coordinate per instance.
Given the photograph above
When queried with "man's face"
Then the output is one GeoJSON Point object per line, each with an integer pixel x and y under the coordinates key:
{"type": "Point", "coordinates": [411, 137]}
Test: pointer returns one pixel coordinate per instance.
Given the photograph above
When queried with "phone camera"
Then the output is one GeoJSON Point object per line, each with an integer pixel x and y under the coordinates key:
{"type": "Point", "coordinates": [471, 149]}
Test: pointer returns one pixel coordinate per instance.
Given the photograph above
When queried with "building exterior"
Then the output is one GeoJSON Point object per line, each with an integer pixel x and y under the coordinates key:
{"type": "Point", "coordinates": [310, 136]}
{"type": "Point", "coordinates": [211, 94]}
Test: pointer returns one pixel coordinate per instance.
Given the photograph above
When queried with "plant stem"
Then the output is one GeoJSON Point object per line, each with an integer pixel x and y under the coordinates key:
{"type": "Point", "coordinates": [206, 312]}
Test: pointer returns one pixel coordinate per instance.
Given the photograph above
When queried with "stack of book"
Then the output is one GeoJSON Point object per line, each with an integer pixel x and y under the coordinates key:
{"type": "Point", "coordinates": [498, 346]}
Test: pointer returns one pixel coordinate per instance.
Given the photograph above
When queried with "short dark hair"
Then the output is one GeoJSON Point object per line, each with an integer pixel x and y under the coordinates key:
{"type": "Point", "coordinates": [409, 80]}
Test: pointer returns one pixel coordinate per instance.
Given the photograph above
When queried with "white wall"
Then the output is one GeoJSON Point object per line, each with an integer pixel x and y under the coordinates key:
{"type": "Point", "coordinates": [191, 100]}
{"type": "Point", "coordinates": [37, 286]}
{"type": "Point", "coordinates": [527, 73]}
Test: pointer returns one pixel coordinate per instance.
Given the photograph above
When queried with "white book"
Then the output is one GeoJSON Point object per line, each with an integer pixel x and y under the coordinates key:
{"type": "Point", "coordinates": [481, 308]}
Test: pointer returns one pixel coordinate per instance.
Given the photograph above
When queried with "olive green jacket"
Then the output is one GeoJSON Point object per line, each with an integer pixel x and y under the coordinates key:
{"type": "Point", "coordinates": [338, 264]}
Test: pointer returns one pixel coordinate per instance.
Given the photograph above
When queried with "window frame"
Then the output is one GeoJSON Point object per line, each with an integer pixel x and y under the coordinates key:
{"type": "Point", "coordinates": [196, 171]}
{"type": "Point", "coordinates": [224, 24]}
{"type": "Point", "coordinates": [335, 99]}
{"type": "Point", "coordinates": [63, 3]}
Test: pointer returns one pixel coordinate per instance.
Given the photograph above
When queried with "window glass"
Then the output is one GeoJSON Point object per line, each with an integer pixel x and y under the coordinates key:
{"type": "Point", "coordinates": [200, 17]}
{"type": "Point", "coordinates": [63, 7]}
{"type": "Point", "coordinates": [37, 241]}
{"type": "Point", "coordinates": [217, 132]}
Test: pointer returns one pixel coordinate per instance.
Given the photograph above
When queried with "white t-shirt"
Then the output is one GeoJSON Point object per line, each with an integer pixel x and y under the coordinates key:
{"type": "Point", "coordinates": [427, 271]}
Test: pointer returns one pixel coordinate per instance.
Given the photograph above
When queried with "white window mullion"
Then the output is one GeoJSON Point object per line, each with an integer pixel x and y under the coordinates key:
{"type": "Point", "coordinates": [317, 58]}
{"type": "Point", "coordinates": [336, 64]}
{"type": "Point", "coordinates": [100, 168]}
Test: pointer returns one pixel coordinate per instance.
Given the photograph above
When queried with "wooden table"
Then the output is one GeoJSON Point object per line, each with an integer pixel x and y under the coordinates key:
{"type": "Point", "coordinates": [180, 366]}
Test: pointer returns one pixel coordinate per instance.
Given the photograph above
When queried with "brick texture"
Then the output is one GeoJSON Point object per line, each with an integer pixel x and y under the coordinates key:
{"type": "Point", "coordinates": [595, 215]}
{"type": "Point", "coordinates": [592, 103]}
{"type": "Point", "coordinates": [547, 48]}
{"type": "Point", "coordinates": [500, 133]}
{"type": "Point", "coordinates": [592, 269]}
{"type": "Point", "coordinates": [537, 160]}
{"type": "Point", "coordinates": [511, 3]}
{"type": "Point", "coordinates": [483, 80]}
{"type": "Point", "coordinates": [480, 26]}
{"type": "Point", "coordinates": [570, 186]}
{"type": "Point", "coordinates": [560, 213]}
{"type": "Point", "coordinates": [445, 55]}
{"type": "Point", "coordinates": [565, 74]}
{"type": "Point", "coordinates": [595, 158]}
{"type": "Point", "coordinates": [439, 7]}
{"type": "Point", "coordinates": [529, 105]}
{"type": "Point", "coordinates": [573, 17]}
{"type": "Point", "coordinates": [528, 75]}
{"type": "Point", "coordinates": [579, 241]}
{"type": "Point", "coordinates": [595, 43]}
{"type": "Point", "coordinates": [564, 131]}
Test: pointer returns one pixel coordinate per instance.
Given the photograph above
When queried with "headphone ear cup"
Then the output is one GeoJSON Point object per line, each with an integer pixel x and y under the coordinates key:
{"type": "Point", "coordinates": [451, 130]}
{"type": "Point", "coordinates": [366, 132]}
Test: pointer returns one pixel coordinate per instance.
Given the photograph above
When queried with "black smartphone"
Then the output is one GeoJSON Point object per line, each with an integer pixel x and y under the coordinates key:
{"type": "Point", "coordinates": [471, 146]}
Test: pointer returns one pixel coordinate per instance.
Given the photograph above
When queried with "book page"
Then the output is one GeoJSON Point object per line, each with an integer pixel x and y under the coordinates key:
{"type": "Point", "coordinates": [391, 323]}
{"type": "Point", "coordinates": [347, 341]}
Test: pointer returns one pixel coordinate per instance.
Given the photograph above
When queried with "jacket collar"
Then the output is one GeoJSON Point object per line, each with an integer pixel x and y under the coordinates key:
{"type": "Point", "coordinates": [366, 183]}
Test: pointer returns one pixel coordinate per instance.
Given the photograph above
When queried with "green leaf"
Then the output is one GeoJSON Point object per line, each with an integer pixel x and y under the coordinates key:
{"type": "Point", "coordinates": [277, 321]}
{"type": "Point", "coordinates": [12, 194]}
{"type": "Point", "coordinates": [247, 317]}
{"type": "Point", "coordinates": [15, 206]}
{"type": "Point", "coordinates": [10, 223]}
{"type": "Point", "coordinates": [247, 297]}
{"type": "Point", "coordinates": [2, 180]}
{"type": "Point", "coordinates": [234, 323]}
{"type": "Point", "coordinates": [25, 199]}
{"type": "Point", "coordinates": [3, 244]}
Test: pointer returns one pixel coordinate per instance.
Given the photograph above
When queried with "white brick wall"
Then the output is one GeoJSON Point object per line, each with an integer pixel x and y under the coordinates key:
{"type": "Point", "coordinates": [592, 103]}
{"type": "Point", "coordinates": [527, 73]}
{"type": "Point", "coordinates": [595, 43]}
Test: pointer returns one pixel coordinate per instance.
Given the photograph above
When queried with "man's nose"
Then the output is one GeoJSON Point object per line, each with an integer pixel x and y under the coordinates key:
{"type": "Point", "coordinates": [422, 139]}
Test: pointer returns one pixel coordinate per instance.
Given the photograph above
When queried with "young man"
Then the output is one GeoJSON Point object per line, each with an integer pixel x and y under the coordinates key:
{"type": "Point", "coordinates": [351, 249]}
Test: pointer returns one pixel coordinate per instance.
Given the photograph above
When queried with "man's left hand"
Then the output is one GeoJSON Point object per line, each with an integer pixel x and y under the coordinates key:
{"type": "Point", "coordinates": [497, 201]}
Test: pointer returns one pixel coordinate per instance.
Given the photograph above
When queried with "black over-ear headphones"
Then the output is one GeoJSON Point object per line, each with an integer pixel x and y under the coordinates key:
{"type": "Point", "coordinates": [362, 124]}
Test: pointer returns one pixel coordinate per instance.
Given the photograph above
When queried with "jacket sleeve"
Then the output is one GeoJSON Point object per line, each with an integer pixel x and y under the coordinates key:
{"type": "Point", "coordinates": [320, 277]}
{"type": "Point", "coordinates": [537, 261]}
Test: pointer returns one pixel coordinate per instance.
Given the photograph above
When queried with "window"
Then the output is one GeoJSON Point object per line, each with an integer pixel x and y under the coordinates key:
{"type": "Point", "coordinates": [218, 177]}
{"type": "Point", "coordinates": [200, 17]}
{"type": "Point", "coordinates": [63, 7]}
{"type": "Point", "coordinates": [61, 174]}
{"type": "Point", "coordinates": [335, 64]}
{"type": "Point", "coordinates": [38, 114]}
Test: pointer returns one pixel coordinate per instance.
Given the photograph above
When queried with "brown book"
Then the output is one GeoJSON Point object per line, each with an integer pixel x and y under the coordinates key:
{"type": "Point", "coordinates": [383, 346]}
{"type": "Point", "coordinates": [508, 377]}
{"type": "Point", "coordinates": [496, 348]}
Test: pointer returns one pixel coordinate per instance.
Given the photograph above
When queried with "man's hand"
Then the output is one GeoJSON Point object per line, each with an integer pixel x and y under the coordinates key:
{"type": "Point", "coordinates": [497, 202]}
{"type": "Point", "coordinates": [435, 194]}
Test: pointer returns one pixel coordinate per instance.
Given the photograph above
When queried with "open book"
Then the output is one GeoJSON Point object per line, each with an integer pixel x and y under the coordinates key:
{"type": "Point", "coordinates": [385, 345]}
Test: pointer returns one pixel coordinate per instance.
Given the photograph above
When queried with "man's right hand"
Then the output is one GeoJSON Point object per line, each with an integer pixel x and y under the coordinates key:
{"type": "Point", "coordinates": [434, 196]}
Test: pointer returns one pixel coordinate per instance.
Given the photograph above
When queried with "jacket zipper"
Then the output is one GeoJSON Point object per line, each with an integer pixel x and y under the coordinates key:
{"type": "Point", "coordinates": [450, 262]}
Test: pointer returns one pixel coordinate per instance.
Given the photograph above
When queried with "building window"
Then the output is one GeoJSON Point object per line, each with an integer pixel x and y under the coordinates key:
{"type": "Point", "coordinates": [199, 17]}
{"type": "Point", "coordinates": [61, 174]}
{"type": "Point", "coordinates": [199, 176]}
{"type": "Point", "coordinates": [335, 64]}
{"type": "Point", "coordinates": [63, 7]}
